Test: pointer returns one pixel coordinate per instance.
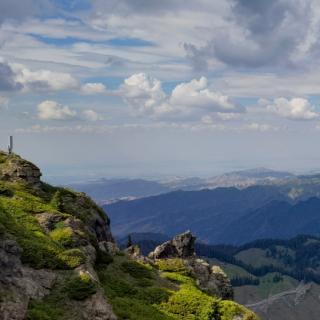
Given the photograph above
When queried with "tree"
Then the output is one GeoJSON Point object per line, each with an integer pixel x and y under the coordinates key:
{"type": "Point", "coordinates": [129, 241]}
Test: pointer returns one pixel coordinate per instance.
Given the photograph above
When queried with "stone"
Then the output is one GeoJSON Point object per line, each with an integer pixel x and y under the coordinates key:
{"type": "Point", "coordinates": [181, 246]}
{"type": "Point", "coordinates": [212, 280]}
{"type": "Point", "coordinates": [96, 307]}
{"type": "Point", "coordinates": [16, 169]}
{"type": "Point", "coordinates": [19, 283]}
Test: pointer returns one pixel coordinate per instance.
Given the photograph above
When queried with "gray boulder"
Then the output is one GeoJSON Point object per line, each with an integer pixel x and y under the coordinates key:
{"type": "Point", "coordinates": [181, 246]}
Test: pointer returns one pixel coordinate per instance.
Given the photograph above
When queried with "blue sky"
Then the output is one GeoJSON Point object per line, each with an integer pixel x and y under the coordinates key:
{"type": "Point", "coordinates": [145, 88]}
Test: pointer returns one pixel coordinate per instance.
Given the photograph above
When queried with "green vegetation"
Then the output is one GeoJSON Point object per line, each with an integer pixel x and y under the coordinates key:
{"type": "Point", "coordinates": [63, 235]}
{"type": "Point", "coordinates": [18, 219]}
{"type": "Point", "coordinates": [138, 292]}
{"type": "Point", "coordinates": [80, 287]}
{"type": "Point", "coordinates": [191, 303]}
{"type": "Point", "coordinates": [173, 265]}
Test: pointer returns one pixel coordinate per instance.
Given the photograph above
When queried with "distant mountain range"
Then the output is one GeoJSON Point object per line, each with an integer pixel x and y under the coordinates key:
{"type": "Point", "coordinates": [110, 190]}
{"type": "Point", "coordinates": [261, 203]}
{"type": "Point", "coordinates": [206, 212]}
{"type": "Point", "coordinates": [221, 215]}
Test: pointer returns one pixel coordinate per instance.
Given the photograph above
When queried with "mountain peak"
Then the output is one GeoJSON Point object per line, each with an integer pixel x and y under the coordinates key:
{"type": "Point", "coordinates": [13, 168]}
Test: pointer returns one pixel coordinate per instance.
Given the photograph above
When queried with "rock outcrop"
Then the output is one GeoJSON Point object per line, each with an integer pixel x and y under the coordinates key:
{"type": "Point", "coordinates": [16, 169]}
{"type": "Point", "coordinates": [210, 279]}
{"type": "Point", "coordinates": [181, 246]}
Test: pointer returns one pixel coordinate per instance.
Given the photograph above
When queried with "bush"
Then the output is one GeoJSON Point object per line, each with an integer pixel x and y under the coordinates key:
{"type": "Point", "coordinates": [80, 287]}
{"type": "Point", "coordinates": [136, 270]}
{"type": "Point", "coordinates": [103, 258]}
{"type": "Point", "coordinates": [71, 258]}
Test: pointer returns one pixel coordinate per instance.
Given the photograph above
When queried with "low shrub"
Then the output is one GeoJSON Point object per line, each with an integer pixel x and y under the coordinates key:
{"type": "Point", "coordinates": [103, 258]}
{"type": "Point", "coordinates": [80, 287]}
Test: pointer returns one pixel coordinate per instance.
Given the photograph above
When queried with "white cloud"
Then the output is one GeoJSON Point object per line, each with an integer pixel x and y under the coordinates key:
{"type": "Point", "coordinates": [191, 100]}
{"type": "Point", "coordinates": [51, 110]}
{"type": "Point", "coordinates": [40, 80]}
{"type": "Point", "coordinates": [295, 108]}
{"type": "Point", "coordinates": [143, 93]}
{"type": "Point", "coordinates": [196, 94]}
{"type": "Point", "coordinates": [93, 88]}
{"type": "Point", "coordinates": [91, 115]}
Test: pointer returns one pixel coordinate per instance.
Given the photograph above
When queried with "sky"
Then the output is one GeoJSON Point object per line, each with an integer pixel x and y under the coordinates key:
{"type": "Point", "coordinates": [140, 88]}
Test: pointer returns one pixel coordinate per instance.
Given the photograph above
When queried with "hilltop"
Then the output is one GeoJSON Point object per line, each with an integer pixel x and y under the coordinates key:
{"type": "Point", "coordinates": [59, 261]}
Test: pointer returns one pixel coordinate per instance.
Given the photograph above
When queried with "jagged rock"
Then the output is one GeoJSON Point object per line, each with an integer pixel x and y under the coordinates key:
{"type": "Point", "coordinates": [181, 246]}
{"type": "Point", "coordinates": [213, 280]}
{"type": "Point", "coordinates": [16, 169]}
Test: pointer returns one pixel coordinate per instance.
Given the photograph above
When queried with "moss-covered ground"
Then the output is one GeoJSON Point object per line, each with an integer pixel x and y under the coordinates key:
{"type": "Point", "coordinates": [18, 209]}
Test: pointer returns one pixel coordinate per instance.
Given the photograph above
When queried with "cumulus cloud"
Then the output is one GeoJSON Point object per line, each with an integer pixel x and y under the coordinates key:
{"type": "Point", "coordinates": [93, 88]}
{"type": "Point", "coordinates": [190, 100]}
{"type": "Point", "coordinates": [196, 94]}
{"type": "Point", "coordinates": [40, 80]}
{"type": "Point", "coordinates": [51, 110]}
{"type": "Point", "coordinates": [143, 93]}
{"type": "Point", "coordinates": [295, 108]}
{"type": "Point", "coordinates": [16, 77]}
{"type": "Point", "coordinates": [91, 115]}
